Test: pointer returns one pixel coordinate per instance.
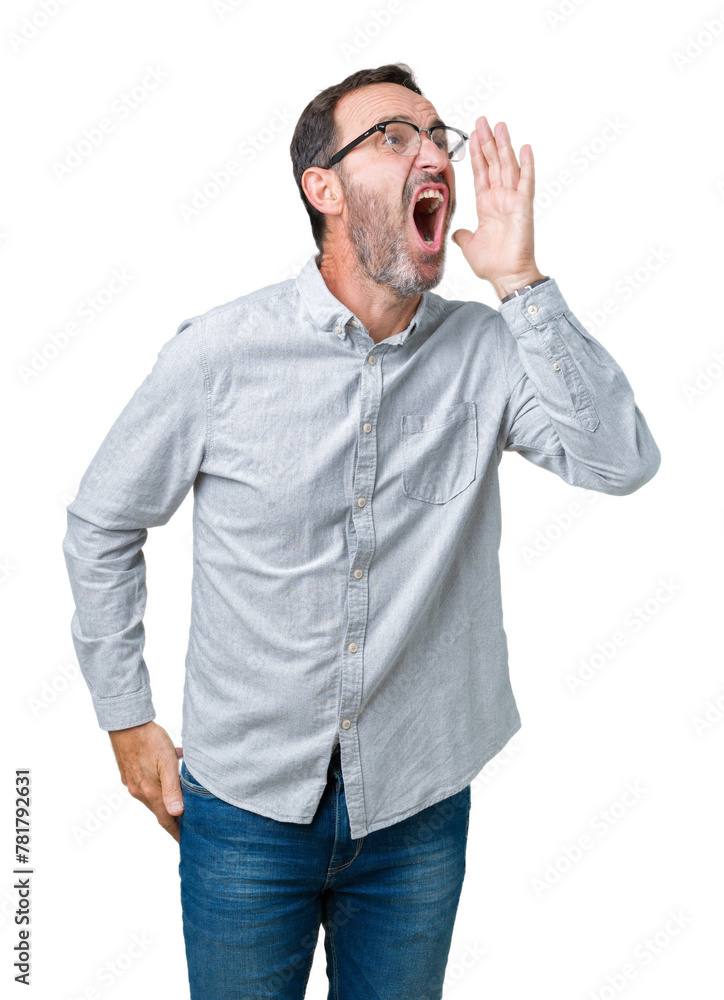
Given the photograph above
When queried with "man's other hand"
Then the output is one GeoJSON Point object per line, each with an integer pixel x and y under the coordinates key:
{"type": "Point", "coordinates": [148, 762]}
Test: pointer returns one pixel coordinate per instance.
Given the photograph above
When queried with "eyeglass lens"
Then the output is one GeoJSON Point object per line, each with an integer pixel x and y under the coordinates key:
{"type": "Point", "coordinates": [405, 140]}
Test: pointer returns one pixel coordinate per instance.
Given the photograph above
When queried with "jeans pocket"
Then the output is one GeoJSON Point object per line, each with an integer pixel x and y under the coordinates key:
{"type": "Point", "coordinates": [190, 783]}
{"type": "Point", "coordinates": [439, 452]}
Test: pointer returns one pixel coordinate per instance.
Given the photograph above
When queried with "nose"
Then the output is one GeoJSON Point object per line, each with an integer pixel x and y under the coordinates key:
{"type": "Point", "coordinates": [430, 153]}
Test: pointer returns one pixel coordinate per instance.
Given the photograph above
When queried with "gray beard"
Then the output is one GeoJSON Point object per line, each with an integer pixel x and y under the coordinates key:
{"type": "Point", "coordinates": [383, 255]}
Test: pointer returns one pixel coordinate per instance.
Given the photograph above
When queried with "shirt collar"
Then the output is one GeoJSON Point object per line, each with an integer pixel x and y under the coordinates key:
{"type": "Point", "coordinates": [330, 314]}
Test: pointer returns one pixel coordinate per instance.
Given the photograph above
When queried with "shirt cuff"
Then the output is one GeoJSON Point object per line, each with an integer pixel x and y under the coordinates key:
{"type": "Point", "coordinates": [124, 710]}
{"type": "Point", "coordinates": [513, 294]}
{"type": "Point", "coordinates": [533, 308]}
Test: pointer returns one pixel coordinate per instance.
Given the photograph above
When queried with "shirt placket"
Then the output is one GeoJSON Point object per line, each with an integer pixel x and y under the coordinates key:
{"type": "Point", "coordinates": [370, 395]}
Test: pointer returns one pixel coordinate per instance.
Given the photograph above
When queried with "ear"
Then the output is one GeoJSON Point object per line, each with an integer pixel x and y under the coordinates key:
{"type": "Point", "coordinates": [321, 187]}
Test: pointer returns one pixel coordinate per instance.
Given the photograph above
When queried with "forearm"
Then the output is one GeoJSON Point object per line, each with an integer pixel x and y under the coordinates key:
{"type": "Point", "coordinates": [107, 575]}
{"type": "Point", "coordinates": [572, 399]}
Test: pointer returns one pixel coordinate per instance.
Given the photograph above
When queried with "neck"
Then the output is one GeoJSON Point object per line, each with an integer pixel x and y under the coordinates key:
{"type": "Point", "coordinates": [381, 310]}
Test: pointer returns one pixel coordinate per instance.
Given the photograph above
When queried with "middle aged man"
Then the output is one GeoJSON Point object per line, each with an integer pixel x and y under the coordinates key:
{"type": "Point", "coordinates": [347, 673]}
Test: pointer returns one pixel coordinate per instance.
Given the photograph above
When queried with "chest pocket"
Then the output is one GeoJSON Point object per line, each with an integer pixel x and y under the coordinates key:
{"type": "Point", "coordinates": [439, 452]}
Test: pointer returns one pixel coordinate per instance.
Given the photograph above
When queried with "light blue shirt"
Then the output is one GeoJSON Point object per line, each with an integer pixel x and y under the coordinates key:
{"type": "Point", "coordinates": [346, 583]}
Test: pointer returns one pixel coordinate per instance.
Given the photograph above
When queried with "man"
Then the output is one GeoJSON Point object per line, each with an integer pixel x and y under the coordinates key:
{"type": "Point", "coordinates": [347, 673]}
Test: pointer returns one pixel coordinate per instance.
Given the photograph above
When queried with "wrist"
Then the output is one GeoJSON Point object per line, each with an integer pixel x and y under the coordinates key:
{"type": "Point", "coordinates": [509, 283]}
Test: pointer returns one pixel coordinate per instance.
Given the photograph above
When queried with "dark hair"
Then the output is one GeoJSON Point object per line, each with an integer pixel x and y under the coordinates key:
{"type": "Point", "coordinates": [315, 139]}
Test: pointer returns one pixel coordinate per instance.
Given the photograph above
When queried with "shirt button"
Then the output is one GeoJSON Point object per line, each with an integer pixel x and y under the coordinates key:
{"type": "Point", "coordinates": [358, 573]}
{"type": "Point", "coordinates": [361, 502]}
{"type": "Point", "coordinates": [367, 428]}
{"type": "Point", "coordinates": [372, 359]}
{"type": "Point", "coordinates": [338, 329]}
{"type": "Point", "coordinates": [556, 367]}
{"type": "Point", "coordinates": [352, 647]}
{"type": "Point", "coordinates": [355, 324]}
{"type": "Point", "coordinates": [346, 724]}
{"type": "Point", "coordinates": [532, 309]}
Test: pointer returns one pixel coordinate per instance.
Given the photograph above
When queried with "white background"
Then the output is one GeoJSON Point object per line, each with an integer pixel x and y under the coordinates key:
{"type": "Point", "coordinates": [531, 923]}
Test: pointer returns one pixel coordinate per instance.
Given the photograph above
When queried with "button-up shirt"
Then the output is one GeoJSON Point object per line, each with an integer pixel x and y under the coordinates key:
{"type": "Point", "coordinates": [346, 527]}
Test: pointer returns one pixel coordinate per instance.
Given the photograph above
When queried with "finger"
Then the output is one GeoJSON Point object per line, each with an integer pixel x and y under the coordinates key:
{"type": "Point", "coordinates": [510, 171]}
{"type": "Point", "coordinates": [490, 150]}
{"type": "Point", "coordinates": [149, 792]}
{"type": "Point", "coordinates": [170, 824]}
{"type": "Point", "coordinates": [526, 184]}
{"type": "Point", "coordinates": [179, 751]}
{"type": "Point", "coordinates": [480, 164]}
{"type": "Point", "coordinates": [170, 785]}
{"type": "Point", "coordinates": [461, 237]}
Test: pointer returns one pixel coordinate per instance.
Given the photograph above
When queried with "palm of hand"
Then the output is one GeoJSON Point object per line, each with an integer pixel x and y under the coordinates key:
{"type": "Point", "coordinates": [502, 245]}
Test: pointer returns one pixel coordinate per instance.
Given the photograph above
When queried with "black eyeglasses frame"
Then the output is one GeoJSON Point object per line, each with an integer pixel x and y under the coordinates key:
{"type": "Point", "coordinates": [380, 127]}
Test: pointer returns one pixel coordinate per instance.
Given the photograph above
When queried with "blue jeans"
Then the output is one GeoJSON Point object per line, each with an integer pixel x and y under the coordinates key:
{"type": "Point", "coordinates": [255, 890]}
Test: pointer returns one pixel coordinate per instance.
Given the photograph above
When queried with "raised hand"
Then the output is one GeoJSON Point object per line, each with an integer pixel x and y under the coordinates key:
{"type": "Point", "coordinates": [501, 248]}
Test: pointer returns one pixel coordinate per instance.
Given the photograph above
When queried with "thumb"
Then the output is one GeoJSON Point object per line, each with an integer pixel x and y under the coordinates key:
{"type": "Point", "coordinates": [462, 238]}
{"type": "Point", "coordinates": [171, 786]}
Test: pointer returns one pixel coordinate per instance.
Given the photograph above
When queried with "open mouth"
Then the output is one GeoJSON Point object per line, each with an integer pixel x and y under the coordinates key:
{"type": "Point", "coordinates": [428, 215]}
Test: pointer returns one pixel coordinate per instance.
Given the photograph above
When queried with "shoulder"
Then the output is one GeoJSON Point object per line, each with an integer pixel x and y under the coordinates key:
{"type": "Point", "coordinates": [240, 315]}
{"type": "Point", "coordinates": [474, 334]}
{"type": "Point", "coordinates": [467, 317]}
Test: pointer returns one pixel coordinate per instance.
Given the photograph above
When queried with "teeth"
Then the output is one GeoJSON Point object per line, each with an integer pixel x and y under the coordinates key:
{"type": "Point", "coordinates": [431, 193]}
{"type": "Point", "coordinates": [436, 199]}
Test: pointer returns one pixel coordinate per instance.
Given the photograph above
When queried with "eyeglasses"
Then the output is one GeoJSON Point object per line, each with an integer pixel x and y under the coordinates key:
{"type": "Point", "coordinates": [404, 138]}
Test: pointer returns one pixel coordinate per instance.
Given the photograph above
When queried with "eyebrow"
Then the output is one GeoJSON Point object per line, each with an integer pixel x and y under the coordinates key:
{"type": "Point", "coordinates": [406, 118]}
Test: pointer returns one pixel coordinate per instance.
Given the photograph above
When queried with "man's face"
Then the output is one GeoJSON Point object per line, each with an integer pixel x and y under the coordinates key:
{"type": "Point", "coordinates": [381, 188]}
